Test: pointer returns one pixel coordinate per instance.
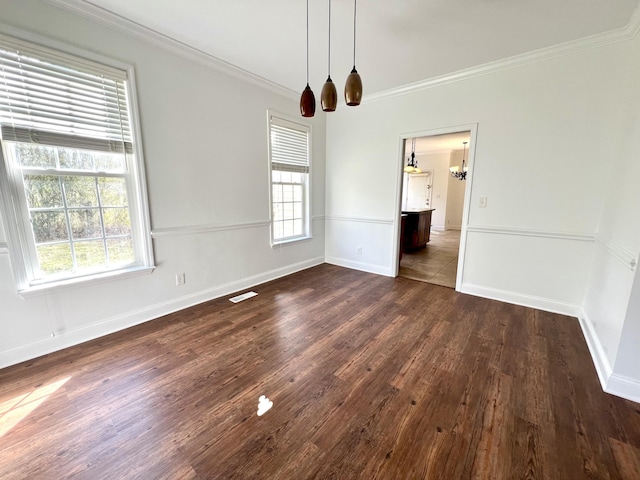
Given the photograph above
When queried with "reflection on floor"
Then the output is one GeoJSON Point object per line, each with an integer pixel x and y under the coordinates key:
{"type": "Point", "coordinates": [437, 263]}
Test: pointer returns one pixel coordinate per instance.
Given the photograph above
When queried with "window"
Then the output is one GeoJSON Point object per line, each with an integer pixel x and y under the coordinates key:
{"type": "Point", "coordinates": [289, 156]}
{"type": "Point", "coordinates": [74, 199]}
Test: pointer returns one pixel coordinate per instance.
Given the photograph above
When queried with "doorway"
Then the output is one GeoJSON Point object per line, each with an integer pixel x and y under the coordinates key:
{"type": "Point", "coordinates": [434, 205]}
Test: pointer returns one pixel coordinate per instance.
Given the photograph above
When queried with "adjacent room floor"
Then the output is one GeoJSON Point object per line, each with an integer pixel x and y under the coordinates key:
{"type": "Point", "coordinates": [370, 377]}
{"type": "Point", "coordinates": [437, 263]}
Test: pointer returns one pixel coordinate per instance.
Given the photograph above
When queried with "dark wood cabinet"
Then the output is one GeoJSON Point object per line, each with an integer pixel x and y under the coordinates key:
{"type": "Point", "coordinates": [417, 229]}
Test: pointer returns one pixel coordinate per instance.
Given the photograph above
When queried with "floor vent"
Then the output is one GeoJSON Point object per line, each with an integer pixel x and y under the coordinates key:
{"type": "Point", "coordinates": [242, 297]}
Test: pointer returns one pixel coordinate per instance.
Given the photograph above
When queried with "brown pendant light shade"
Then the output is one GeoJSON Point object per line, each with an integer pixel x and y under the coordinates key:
{"type": "Point", "coordinates": [307, 99]}
{"type": "Point", "coordinates": [353, 88]}
{"type": "Point", "coordinates": [308, 102]}
{"type": "Point", "coordinates": [329, 98]}
{"type": "Point", "coordinates": [353, 85]}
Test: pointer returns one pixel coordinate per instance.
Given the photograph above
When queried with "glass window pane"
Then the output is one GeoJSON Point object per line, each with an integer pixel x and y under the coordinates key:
{"type": "Point", "coordinates": [80, 191]}
{"type": "Point", "coordinates": [85, 223]}
{"type": "Point", "coordinates": [43, 191]}
{"type": "Point", "coordinates": [297, 193]}
{"type": "Point", "coordinates": [297, 210]}
{"type": "Point", "coordinates": [277, 193]}
{"type": "Point", "coordinates": [276, 176]}
{"type": "Point", "coordinates": [49, 226]}
{"type": "Point", "coordinates": [277, 211]}
{"type": "Point", "coordinates": [285, 177]}
{"type": "Point", "coordinates": [90, 255]}
{"type": "Point", "coordinates": [109, 162]}
{"type": "Point", "coordinates": [113, 192]}
{"type": "Point", "coordinates": [120, 250]}
{"type": "Point", "coordinates": [75, 159]}
{"type": "Point", "coordinates": [297, 227]}
{"type": "Point", "coordinates": [116, 221]}
{"type": "Point", "coordinates": [287, 193]}
{"type": "Point", "coordinates": [288, 228]}
{"type": "Point", "coordinates": [32, 155]}
{"type": "Point", "coordinates": [288, 211]}
{"type": "Point", "coordinates": [277, 230]}
{"type": "Point", "coordinates": [55, 258]}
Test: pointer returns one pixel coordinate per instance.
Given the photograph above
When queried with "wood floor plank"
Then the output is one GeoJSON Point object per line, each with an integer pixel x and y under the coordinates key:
{"type": "Point", "coordinates": [370, 377]}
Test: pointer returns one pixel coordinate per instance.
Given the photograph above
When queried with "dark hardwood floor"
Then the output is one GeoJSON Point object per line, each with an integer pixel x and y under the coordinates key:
{"type": "Point", "coordinates": [370, 377]}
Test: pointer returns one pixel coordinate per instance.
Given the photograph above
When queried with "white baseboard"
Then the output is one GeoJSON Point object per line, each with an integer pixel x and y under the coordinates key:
{"type": "Point", "coordinates": [613, 383]}
{"type": "Point", "coordinates": [624, 387]}
{"type": "Point", "coordinates": [362, 266]}
{"type": "Point", "coordinates": [541, 303]}
{"type": "Point", "coordinates": [598, 355]}
{"type": "Point", "coordinates": [136, 317]}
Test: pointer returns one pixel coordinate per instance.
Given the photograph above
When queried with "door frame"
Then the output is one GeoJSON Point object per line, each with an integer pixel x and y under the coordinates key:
{"type": "Point", "coordinates": [473, 129]}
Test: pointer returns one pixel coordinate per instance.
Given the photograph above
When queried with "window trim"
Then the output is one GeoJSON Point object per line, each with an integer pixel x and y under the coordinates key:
{"type": "Point", "coordinates": [137, 191]}
{"type": "Point", "coordinates": [287, 119]}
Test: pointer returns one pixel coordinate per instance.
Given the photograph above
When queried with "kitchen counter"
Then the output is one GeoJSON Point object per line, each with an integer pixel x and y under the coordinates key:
{"type": "Point", "coordinates": [416, 231]}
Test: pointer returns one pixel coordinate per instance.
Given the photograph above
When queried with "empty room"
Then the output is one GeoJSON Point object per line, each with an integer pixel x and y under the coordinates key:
{"type": "Point", "coordinates": [203, 211]}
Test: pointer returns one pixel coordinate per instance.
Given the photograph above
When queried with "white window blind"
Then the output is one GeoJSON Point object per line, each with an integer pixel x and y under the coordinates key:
{"type": "Point", "coordinates": [289, 147]}
{"type": "Point", "coordinates": [54, 99]}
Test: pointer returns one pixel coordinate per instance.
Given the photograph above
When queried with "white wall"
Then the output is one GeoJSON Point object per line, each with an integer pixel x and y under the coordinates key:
{"type": "Point", "coordinates": [455, 194]}
{"type": "Point", "coordinates": [612, 301]}
{"type": "Point", "coordinates": [439, 163]}
{"type": "Point", "coordinates": [566, 116]}
{"type": "Point", "coordinates": [205, 143]}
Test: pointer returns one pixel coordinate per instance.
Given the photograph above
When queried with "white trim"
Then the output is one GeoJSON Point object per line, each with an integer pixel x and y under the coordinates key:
{"type": "Point", "coordinates": [106, 18]}
{"type": "Point", "coordinates": [4, 248]}
{"type": "Point", "coordinates": [340, 218]}
{"type": "Point", "coordinates": [581, 237]}
{"type": "Point", "coordinates": [598, 355]}
{"type": "Point", "coordinates": [516, 298]}
{"type": "Point", "coordinates": [209, 228]}
{"type": "Point", "coordinates": [625, 387]}
{"type": "Point", "coordinates": [572, 47]}
{"type": "Point", "coordinates": [362, 266]}
{"type": "Point", "coordinates": [472, 128]}
{"type": "Point", "coordinates": [84, 281]}
{"type": "Point", "coordinates": [111, 20]}
{"type": "Point", "coordinates": [204, 228]}
{"type": "Point", "coordinates": [129, 319]}
{"type": "Point", "coordinates": [612, 383]}
{"type": "Point", "coordinates": [619, 253]}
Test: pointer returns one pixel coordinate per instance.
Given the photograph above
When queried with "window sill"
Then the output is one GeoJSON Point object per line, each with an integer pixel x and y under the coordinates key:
{"type": "Point", "coordinates": [291, 240]}
{"type": "Point", "coordinates": [43, 289]}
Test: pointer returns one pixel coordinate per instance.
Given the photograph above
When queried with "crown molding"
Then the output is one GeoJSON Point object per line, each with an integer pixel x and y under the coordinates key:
{"type": "Point", "coordinates": [106, 18]}
{"type": "Point", "coordinates": [572, 47]}
{"type": "Point", "coordinates": [111, 20]}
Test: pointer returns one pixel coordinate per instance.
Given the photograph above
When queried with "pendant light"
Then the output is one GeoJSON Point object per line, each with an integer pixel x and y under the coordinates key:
{"type": "Point", "coordinates": [412, 163]}
{"type": "Point", "coordinates": [329, 96]}
{"type": "Point", "coordinates": [308, 99]}
{"type": "Point", "coordinates": [456, 172]}
{"type": "Point", "coordinates": [353, 85]}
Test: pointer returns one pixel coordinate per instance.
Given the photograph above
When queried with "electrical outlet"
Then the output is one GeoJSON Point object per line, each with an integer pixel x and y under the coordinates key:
{"type": "Point", "coordinates": [483, 202]}
{"type": "Point", "coordinates": [180, 278]}
{"type": "Point", "coordinates": [359, 250]}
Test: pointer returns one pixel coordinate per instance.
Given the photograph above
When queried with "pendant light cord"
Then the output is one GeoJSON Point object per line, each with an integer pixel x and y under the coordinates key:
{"type": "Point", "coordinates": [354, 32]}
{"type": "Point", "coordinates": [329, 60]}
{"type": "Point", "coordinates": [307, 42]}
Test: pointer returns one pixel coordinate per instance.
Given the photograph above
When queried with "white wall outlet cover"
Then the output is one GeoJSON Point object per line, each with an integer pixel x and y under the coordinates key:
{"type": "Point", "coordinates": [264, 405]}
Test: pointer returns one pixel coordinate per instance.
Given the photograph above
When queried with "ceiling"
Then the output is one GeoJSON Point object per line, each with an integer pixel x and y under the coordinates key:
{"type": "Point", "coordinates": [398, 43]}
{"type": "Point", "coordinates": [438, 143]}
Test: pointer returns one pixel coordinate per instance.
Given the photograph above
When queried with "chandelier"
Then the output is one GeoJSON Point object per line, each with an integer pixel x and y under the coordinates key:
{"type": "Point", "coordinates": [412, 163]}
{"type": "Point", "coordinates": [457, 172]}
